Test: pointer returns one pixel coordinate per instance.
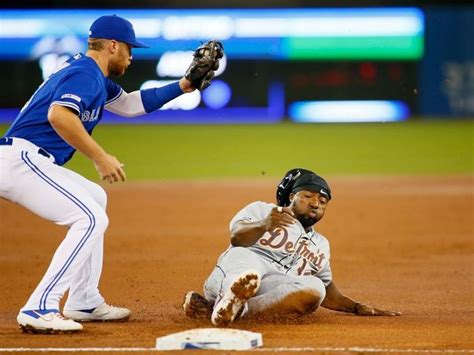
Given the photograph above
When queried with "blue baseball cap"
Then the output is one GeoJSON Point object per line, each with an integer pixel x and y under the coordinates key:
{"type": "Point", "coordinates": [117, 28]}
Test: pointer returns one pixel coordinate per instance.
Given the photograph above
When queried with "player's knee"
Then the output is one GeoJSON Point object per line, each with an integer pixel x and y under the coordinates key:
{"type": "Point", "coordinates": [317, 296]}
{"type": "Point", "coordinates": [314, 290]}
{"type": "Point", "coordinates": [301, 301]}
{"type": "Point", "coordinates": [101, 221]}
{"type": "Point", "coordinates": [93, 218]}
{"type": "Point", "coordinates": [306, 300]}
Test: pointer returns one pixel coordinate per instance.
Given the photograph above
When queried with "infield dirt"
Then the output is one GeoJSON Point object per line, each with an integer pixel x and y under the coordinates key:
{"type": "Point", "coordinates": [401, 243]}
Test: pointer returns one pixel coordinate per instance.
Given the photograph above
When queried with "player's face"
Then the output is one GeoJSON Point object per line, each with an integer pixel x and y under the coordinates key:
{"type": "Point", "coordinates": [121, 59]}
{"type": "Point", "coordinates": [308, 206]}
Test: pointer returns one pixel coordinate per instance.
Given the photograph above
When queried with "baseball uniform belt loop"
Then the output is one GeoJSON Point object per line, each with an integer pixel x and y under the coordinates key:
{"type": "Point", "coordinates": [44, 153]}
{"type": "Point", "coordinates": [9, 141]}
{"type": "Point", "coordinates": [6, 141]}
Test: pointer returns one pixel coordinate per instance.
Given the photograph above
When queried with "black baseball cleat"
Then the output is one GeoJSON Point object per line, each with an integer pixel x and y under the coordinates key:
{"type": "Point", "coordinates": [196, 306]}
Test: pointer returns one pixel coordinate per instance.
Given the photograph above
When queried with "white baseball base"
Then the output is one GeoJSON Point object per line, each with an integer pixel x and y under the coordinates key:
{"type": "Point", "coordinates": [210, 338]}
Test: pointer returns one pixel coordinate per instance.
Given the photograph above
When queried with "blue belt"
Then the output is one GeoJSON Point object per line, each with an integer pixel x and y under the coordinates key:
{"type": "Point", "coordinates": [9, 141]}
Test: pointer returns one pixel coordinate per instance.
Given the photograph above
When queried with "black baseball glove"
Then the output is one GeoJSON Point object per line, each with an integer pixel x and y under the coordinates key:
{"type": "Point", "coordinates": [205, 62]}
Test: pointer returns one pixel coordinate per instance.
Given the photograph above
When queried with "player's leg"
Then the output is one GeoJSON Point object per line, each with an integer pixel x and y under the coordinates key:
{"type": "Point", "coordinates": [41, 187]}
{"type": "Point", "coordinates": [234, 262]}
{"type": "Point", "coordinates": [231, 264]}
{"type": "Point", "coordinates": [85, 303]}
{"type": "Point", "coordinates": [233, 282]}
{"type": "Point", "coordinates": [84, 289]}
{"type": "Point", "coordinates": [284, 294]}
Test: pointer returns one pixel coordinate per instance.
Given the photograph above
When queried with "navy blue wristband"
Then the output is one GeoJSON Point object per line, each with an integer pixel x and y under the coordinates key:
{"type": "Point", "coordinates": [154, 98]}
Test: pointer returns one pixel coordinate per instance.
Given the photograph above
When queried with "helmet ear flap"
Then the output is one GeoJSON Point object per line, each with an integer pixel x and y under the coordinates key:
{"type": "Point", "coordinates": [284, 189]}
{"type": "Point", "coordinates": [286, 185]}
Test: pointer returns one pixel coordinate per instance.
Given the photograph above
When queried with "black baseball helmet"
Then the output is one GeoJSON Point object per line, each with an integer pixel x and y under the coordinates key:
{"type": "Point", "coordinates": [300, 179]}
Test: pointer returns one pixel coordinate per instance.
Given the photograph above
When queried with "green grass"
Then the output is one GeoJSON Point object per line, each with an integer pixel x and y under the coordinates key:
{"type": "Point", "coordinates": [200, 151]}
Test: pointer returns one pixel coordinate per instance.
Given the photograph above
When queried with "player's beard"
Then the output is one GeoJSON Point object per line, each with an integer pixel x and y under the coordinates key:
{"type": "Point", "coordinates": [116, 69]}
{"type": "Point", "coordinates": [307, 221]}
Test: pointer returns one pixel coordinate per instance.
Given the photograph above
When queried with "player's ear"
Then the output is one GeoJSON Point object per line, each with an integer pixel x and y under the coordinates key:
{"type": "Point", "coordinates": [113, 46]}
{"type": "Point", "coordinates": [291, 197]}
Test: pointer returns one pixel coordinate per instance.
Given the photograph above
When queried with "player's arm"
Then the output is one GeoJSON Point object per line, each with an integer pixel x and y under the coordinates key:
{"type": "Point", "coordinates": [336, 301]}
{"type": "Point", "coordinates": [198, 76]}
{"type": "Point", "coordinates": [244, 234]}
{"type": "Point", "coordinates": [140, 102]}
{"type": "Point", "coordinates": [67, 124]}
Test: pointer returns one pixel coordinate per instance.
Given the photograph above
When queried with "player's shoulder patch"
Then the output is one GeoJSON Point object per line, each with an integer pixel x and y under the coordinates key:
{"type": "Point", "coordinates": [71, 96]}
{"type": "Point", "coordinates": [252, 212]}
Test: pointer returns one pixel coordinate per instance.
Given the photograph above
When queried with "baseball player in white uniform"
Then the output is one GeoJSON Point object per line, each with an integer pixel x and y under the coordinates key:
{"type": "Point", "coordinates": [53, 124]}
{"type": "Point", "coordinates": [277, 262]}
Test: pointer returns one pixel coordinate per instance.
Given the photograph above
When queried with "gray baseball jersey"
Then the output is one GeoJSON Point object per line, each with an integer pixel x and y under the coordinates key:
{"type": "Point", "coordinates": [289, 249]}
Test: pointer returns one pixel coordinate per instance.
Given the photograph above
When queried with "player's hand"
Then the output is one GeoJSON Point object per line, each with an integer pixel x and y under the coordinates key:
{"type": "Point", "coordinates": [279, 216]}
{"type": "Point", "coordinates": [110, 169]}
{"type": "Point", "coordinates": [186, 85]}
{"type": "Point", "coordinates": [365, 310]}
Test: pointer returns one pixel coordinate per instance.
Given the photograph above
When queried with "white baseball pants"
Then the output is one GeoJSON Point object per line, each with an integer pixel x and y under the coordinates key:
{"type": "Point", "coordinates": [60, 195]}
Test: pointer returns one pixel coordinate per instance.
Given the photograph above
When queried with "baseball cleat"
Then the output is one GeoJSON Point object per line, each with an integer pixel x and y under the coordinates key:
{"type": "Point", "coordinates": [48, 321]}
{"type": "Point", "coordinates": [235, 298]}
{"type": "Point", "coordinates": [196, 306]}
{"type": "Point", "coordinates": [103, 313]}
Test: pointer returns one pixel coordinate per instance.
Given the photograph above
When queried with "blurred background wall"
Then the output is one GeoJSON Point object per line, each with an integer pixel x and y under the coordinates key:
{"type": "Point", "coordinates": [287, 64]}
{"type": "Point", "coordinates": [306, 61]}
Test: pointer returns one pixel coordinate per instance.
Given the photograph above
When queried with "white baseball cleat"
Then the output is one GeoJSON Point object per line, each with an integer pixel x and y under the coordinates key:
{"type": "Point", "coordinates": [102, 313]}
{"type": "Point", "coordinates": [235, 298]}
{"type": "Point", "coordinates": [46, 322]}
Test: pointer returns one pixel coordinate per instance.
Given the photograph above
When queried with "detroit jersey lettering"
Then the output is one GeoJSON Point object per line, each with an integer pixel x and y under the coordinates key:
{"type": "Point", "coordinates": [78, 84]}
{"type": "Point", "coordinates": [294, 251]}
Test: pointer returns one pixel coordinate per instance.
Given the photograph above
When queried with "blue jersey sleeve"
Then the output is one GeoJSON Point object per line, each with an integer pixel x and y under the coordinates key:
{"type": "Point", "coordinates": [113, 91]}
{"type": "Point", "coordinates": [154, 98]}
{"type": "Point", "coordinates": [78, 91]}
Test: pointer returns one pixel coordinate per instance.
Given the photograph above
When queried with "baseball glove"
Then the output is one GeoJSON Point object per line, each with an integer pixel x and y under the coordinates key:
{"type": "Point", "coordinates": [205, 62]}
